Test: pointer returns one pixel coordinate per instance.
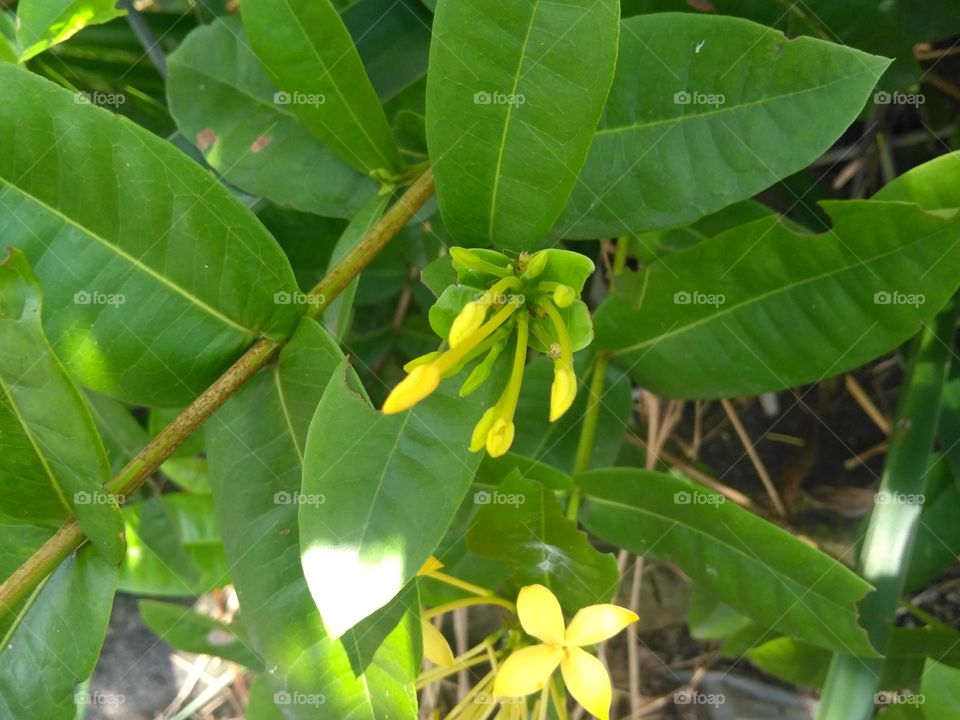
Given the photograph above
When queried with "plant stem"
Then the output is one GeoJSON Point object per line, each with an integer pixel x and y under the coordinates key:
{"type": "Point", "coordinates": [588, 433]}
{"type": "Point", "coordinates": [468, 602]}
{"type": "Point", "coordinates": [885, 557]}
{"type": "Point", "coordinates": [69, 537]}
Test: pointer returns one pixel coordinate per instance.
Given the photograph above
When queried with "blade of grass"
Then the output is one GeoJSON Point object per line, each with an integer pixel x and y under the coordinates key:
{"type": "Point", "coordinates": [885, 556]}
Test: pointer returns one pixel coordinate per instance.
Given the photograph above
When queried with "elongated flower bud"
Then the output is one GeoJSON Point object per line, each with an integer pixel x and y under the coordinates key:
{"type": "Point", "coordinates": [564, 296]}
{"type": "Point", "coordinates": [536, 265]}
{"type": "Point", "coordinates": [412, 389]}
{"type": "Point", "coordinates": [500, 437]}
{"type": "Point", "coordinates": [468, 321]}
{"type": "Point", "coordinates": [563, 391]}
{"type": "Point", "coordinates": [479, 438]}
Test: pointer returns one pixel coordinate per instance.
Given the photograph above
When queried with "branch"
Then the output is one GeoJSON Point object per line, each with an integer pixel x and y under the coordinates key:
{"type": "Point", "coordinates": [69, 537]}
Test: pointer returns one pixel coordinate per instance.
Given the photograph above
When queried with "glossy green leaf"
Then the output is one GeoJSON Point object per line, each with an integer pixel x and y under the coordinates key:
{"type": "Point", "coordinates": [493, 470]}
{"type": "Point", "coordinates": [52, 463]}
{"type": "Point", "coordinates": [705, 111]}
{"type": "Point", "coordinates": [761, 307]}
{"type": "Point", "coordinates": [55, 643]}
{"type": "Point", "coordinates": [123, 436]}
{"type": "Point", "coordinates": [224, 102]}
{"type": "Point", "coordinates": [310, 56]}
{"type": "Point", "coordinates": [754, 567]}
{"type": "Point", "coordinates": [520, 524]}
{"type": "Point", "coordinates": [934, 185]}
{"type": "Point", "coordinates": [146, 572]}
{"type": "Point", "coordinates": [941, 691]}
{"type": "Point", "coordinates": [514, 93]}
{"type": "Point", "coordinates": [389, 484]}
{"type": "Point", "coordinates": [155, 276]}
{"type": "Point", "coordinates": [185, 629]}
{"type": "Point", "coordinates": [260, 705]}
{"type": "Point", "coordinates": [256, 445]}
{"type": "Point", "coordinates": [44, 23]}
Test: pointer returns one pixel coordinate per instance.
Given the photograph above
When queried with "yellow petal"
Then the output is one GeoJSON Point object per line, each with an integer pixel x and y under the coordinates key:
{"type": "Point", "coordinates": [422, 381]}
{"type": "Point", "coordinates": [596, 623]}
{"type": "Point", "coordinates": [436, 649]}
{"type": "Point", "coordinates": [500, 437]}
{"type": "Point", "coordinates": [429, 566]}
{"type": "Point", "coordinates": [588, 681]}
{"type": "Point", "coordinates": [467, 322]}
{"type": "Point", "coordinates": [526, 671]}
{"type": "Point", "coordinates": [481, 430]}
{"type": "Point", "coordinates": [540, 614]}
{"type": "Point", "coordinates": [562, 392]}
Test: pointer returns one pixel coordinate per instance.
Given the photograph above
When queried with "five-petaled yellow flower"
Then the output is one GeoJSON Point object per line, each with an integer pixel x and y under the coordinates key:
{"type": "Point", "coordinates": [527, 670]}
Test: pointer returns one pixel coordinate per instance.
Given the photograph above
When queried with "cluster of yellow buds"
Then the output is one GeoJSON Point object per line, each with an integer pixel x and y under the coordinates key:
{"type": "Point", "coordinates": [531, 302]}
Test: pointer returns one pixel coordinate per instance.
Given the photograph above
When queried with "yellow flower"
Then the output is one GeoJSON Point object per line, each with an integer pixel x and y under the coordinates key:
{"type": "Point", "coordinates": [421, 381]}
{"type": "Point", "coordinates": [527, 670]}
{"type": "Point", "coordinates": [436, 649]}
{"type": "Point", "coordinates": [563, 391]}
{"type": "Point", "coordinates": [500, 437]}
{"type": "Point", "coordinates": [467, 322]}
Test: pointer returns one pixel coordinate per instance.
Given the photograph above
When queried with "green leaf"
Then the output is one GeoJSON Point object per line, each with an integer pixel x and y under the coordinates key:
{"type": "Point", "coordinates": [941, 691]}
{"type": "Point", "coordinates": [156, 276]}
{"type": "Point", "coordinates": [224, 102]}
{"type": "Point", "coordinates": [260, 705]}
{"type": "Point", "coordinates": [761, 307]}
{"type": "Point", "coordinates": [255, 445]}
{"type": "Point", "coordinates": [754, 567]}
{"type": "Point", "coordinates": [683, 134]}
{"type": "Point", "coordinates": [184, 629]}
{"type": "Point", "coordinates": [521, 524]}
{"type": "Point", "coordinates": [44, 23]}
{"type": "Point", "coordinates": [492, 470]}
{"type": "Point", "coordinates": [311, 57]}
{"type": "Point", "coordinates": [55, 642]}
{"type": "Point", "coordinates": [384, 493]}
{"type": "Point", "coordinates": [514, 93]}
{"type": "Point", "coordinates": [146, 572]}
{"type": "Point", "coordinates": [934, 185]}
{"type": "Point", "coordinates": [338, 313]}
{"type": "Point", "coordinates": [52, 464]}
{"type": "Point", "coordinates": [123, 436]}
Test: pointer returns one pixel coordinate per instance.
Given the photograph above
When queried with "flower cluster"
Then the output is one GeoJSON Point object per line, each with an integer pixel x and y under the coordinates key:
{"type": "Point", "coordinates": [503, 307]}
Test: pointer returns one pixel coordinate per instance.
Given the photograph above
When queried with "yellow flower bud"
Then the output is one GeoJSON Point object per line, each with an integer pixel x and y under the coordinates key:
{"type": "Point", "coordinates": [500, 437]}
{"type": "Point", "coordinates": [467, 322]}
{"type": "Point", "coordinates": [564, 296]}
{"type": "Point", "coordinates": [563, 391]}
{"type": "Point", "coordinates": [422, 360]}
{"type": "Point", "coordinates": [412, 389]}
{"type": "Point", "coordinates": [479, 438]}
{"type": "Point", "coordinates": [535, 265]}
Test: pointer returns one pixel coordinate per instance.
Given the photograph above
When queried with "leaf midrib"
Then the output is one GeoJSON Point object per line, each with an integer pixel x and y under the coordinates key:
{"type": "Point", "coordinates": [736, 307]}
{"type": "Point", "coordinates": [134, 262]}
